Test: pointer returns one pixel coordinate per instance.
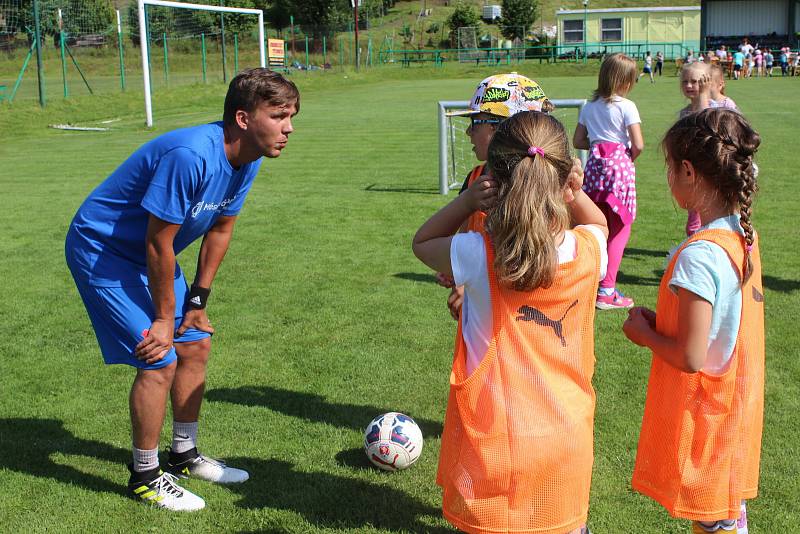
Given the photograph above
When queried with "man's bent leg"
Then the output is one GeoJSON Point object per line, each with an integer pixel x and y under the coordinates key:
{"type": "Point", "coordinates": [190, 380]}
{"type": "Point", "coordinates": [148, 404]}
{"type": "Point", "coordinates": [187, 397]}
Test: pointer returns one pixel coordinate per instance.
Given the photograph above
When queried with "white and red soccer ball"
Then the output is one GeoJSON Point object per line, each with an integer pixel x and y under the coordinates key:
{"type": "Point", "coordinates": [393, 441]}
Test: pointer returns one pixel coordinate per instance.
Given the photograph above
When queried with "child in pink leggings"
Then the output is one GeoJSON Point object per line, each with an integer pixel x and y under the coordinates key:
{"type": "Point", "coordinates": [609, 126]}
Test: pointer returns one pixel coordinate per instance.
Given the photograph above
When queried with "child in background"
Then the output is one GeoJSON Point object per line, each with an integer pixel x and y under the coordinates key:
{"type": "Point", "coordinates": [738, 64]}
{"type": "Point", "coordinates": [759, 59]}
{"type": "Point", "coordinates": [496, 98]}
{"type": "Point", "coordinates": [717, 90]}
{"type": "Point", "coordinates": [648, 67]}
{"type": "Point", "coordinates": [659, 61]}
{"type": "Point", "coordinates": [609, 126]}
{"type": "Point", "coordinates": [768, 62]}
{"type": "Point", "coordinates": [696, 85]}
{"type": "Point", "coordinates": [700, 444]}
{"type": "Point", "coordinates": [784, 60]}
{"type": "Point", "coordinates": [517, 446]}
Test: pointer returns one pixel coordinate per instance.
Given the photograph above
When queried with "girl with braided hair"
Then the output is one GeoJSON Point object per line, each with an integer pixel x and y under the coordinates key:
{"type": "Point", "coordinates": [517, 446]}
{"type": "Point", "coordinates": [700, 444]}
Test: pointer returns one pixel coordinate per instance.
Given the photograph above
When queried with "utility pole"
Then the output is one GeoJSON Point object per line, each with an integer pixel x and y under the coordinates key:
{"type": "Point", "coordinates": [355, 4]}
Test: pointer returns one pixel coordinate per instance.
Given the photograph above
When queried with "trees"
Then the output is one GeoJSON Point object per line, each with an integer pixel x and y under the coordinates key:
{"type": "Point", "coordinates": [464, 16]}
{"type": "Point", "coordinates": [518, 17]}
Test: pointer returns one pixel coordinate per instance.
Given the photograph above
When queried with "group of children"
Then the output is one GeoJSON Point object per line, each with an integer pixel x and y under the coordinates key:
{"type": "Point", "coordinates": [524, 248]}
{"type": "Point", "coordinates": [748, 60]}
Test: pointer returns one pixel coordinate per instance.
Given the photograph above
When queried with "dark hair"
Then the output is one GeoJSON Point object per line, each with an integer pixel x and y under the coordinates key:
{"type": "Point", "coordinates": [720, 144]}
{"type": "Point", "coordinates": [530, 208]}
{"type": "Point", "coordinates": [251, 87]}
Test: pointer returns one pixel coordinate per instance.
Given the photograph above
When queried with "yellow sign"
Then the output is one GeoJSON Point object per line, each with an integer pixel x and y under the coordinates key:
{"type": "Point", "coordinates": [276, 52]}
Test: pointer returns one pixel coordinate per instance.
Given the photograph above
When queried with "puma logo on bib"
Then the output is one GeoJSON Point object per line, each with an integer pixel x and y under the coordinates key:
{"type": "Point", "coordinates": [528, 313]}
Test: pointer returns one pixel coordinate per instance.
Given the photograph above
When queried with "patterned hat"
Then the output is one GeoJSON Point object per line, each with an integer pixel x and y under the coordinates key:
{"type": "Point", "coordinates": [505, 95]}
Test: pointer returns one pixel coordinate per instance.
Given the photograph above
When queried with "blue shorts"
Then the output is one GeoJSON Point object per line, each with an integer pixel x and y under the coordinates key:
{"type": "Point", "coordinates": [119, 316]}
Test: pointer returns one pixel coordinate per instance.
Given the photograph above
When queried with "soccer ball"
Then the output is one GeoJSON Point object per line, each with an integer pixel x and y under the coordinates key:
{"type": "Point", "coordinates": [393, 441]}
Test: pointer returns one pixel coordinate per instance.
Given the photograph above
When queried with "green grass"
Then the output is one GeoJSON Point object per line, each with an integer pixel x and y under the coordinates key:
{"type": "Point", "coordinates": [325, 318]}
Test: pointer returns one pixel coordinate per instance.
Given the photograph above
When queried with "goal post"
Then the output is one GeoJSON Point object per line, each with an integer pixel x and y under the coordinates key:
{"type": "Point", "coordinates": [455, 162]}
{"type": "Point", "coordinates": [143, 40]}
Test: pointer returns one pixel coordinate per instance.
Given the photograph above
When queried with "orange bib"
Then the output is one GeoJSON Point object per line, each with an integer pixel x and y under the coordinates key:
{"type": "Point", "coordinates": [475, 222]}
{"type": "Point", "coordinates": [700, 445]}
{"type": "Point", "coordinates": [517, 443]}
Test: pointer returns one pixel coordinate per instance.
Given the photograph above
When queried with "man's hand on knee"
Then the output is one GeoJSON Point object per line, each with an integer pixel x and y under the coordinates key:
{"type": "Point", "coordinates": [157, 341]}
{"type": "Point", "coordinates": [196, 319]}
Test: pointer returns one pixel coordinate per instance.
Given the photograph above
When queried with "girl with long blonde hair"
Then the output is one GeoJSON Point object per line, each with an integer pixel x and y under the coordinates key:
{"type": "Point", "coordinates": [524, 355]}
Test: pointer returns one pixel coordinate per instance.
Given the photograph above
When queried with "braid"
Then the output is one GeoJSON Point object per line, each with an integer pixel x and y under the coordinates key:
{"type": "Point", "coordinates": [746, 193]}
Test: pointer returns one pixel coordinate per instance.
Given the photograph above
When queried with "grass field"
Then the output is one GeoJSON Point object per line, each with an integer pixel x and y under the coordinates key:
{"type": "Point", "coordinates": [325, 318]}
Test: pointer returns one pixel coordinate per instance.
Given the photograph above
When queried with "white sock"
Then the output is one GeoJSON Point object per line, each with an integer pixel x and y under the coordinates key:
{"type": "Point", "coordinates": [184, 436]}
{"type": "Point", "coordinates": [145, 459]}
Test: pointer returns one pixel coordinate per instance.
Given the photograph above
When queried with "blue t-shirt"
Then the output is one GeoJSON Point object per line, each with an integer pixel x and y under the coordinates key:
{"type": "Point", "coordinates": [705, 269]}
{"type": "Point", "coordinates": [738, 58]}
{"type": "Point", "coordinates": [182, 177]}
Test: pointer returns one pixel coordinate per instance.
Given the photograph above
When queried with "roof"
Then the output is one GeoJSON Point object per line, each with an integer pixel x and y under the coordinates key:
{"type": "Point", "coordinates": [626, 10]}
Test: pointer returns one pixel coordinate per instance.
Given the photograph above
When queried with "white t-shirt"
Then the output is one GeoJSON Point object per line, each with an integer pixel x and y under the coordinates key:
{"type": "Point", "coordinates": [609, 121]}
{"type": "Point", "coordinates": [746, 49]}
{"type": "Point", "coordinates": [468, 259]}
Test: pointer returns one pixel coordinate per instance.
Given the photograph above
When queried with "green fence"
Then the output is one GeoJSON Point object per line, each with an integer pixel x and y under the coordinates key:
{"type": "Point", "coordinates": [508, 56]}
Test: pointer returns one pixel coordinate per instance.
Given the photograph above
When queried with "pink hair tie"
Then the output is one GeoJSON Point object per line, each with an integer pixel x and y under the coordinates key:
{"type": "Point", "coordinates": [749, 248]}
{"type": "Point", "coordinates": [535, 151]}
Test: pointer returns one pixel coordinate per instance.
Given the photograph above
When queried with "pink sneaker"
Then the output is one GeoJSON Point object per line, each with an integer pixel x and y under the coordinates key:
{"type": "Point", "coordinates": [614, 301]}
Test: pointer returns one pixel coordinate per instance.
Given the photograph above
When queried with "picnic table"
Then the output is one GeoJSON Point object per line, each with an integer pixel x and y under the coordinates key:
{"type": "Point", "coordinates": [421, 56]}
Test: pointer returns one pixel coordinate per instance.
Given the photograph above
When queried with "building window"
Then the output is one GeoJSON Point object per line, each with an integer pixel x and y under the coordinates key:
{"type": "Point", "coordinates": [573, 31]}
{"type": "Point", "coordinates": [611, 30]}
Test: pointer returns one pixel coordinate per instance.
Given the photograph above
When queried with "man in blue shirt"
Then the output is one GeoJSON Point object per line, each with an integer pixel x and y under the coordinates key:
{"type": "Point", "coordinates": [121, 249]}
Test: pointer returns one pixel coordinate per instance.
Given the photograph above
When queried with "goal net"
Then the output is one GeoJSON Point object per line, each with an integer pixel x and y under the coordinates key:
{"type": "Point", "coordinates": [456, 158]}
{"type": "Point", "coordinates": [197, 36]}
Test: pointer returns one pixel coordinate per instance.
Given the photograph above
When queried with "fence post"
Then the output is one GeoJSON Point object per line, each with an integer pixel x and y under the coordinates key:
{"type": "Point", "coordinates": [341, 53]}
{"type": "Point", "coordinates": [203, 45]}
{"type": "Point", "coordinates": [236, 53]}
{"type": "Point", "coordinates": [222, 29]}
{"type": "Point", "coordinates": [61, 39]}
{"type": "Point", "coordinates": [166, 60]}
{"type": "Point", "coordinates": [307, 64]}
{"type": "Point", "coordinates": [324, 51]}
{"type": "Point", "coordinates": [38, 38]}
{"type": "Point", "coordinates": [121, 53]}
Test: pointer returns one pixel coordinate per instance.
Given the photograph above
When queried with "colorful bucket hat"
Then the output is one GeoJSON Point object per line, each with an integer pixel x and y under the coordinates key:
{"type": "Point", "coordinates": [505, 95]}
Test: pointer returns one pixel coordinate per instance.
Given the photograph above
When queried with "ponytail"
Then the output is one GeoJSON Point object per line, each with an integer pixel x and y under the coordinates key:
{"type": "Point", "coordinates": [529, 159]}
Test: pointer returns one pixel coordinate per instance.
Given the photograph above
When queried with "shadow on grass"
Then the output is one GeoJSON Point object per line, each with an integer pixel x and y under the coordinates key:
{"type": "Point", "coordinates": [327, 500]}
{"type": "Point", "coordinates": [644, 252]}
{"type": "Point", "coordinates": [26, 446]}
{"type": "Point", "coordinates": [354, 458]}
{"type": "Point", "coordinates": [374, 188]}
{"type": "Point", "coordinates": [311, 407]}
{"type": "Point", "coordinates": [416, 277]}
{"type": "Point", "coordinates": [780, 284]}
{"type": "Point", "coordinates": [633, 280]}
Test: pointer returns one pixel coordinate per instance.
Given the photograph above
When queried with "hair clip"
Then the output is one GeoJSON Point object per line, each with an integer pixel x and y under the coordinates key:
{"type": "Point", "coordinates": [749, 248]}
{"type": "Point", "coordinates": [535, 151]}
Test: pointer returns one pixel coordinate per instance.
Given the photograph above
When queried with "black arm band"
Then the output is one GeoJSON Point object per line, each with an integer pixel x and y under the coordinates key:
{"type": "Point", "coordinates": [198, 297]}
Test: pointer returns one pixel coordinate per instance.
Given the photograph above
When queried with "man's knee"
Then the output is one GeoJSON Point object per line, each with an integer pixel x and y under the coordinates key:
{"type": "Point", "coordinates": [194, 351]}
{"type": "Point", "coordinates": [161, 377]}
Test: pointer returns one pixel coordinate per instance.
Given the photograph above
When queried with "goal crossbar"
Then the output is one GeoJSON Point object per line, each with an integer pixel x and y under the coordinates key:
{"type": "Point", "coordinates": [148, 106]}
{"type": "Point", "coordinates": [446, 106]}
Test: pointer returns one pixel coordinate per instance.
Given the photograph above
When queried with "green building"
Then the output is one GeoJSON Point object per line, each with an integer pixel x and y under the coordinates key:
{"type": "Point", "coordinates": [632, 30]}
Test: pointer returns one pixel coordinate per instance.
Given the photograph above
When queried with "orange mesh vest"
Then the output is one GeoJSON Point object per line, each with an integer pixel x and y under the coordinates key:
{"type": "Point", "coordinates": [517, 443]}
{"type": "Point", "coordinates": [476, 220]}
{"type": "Point", "coordinates": [700, 444]}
